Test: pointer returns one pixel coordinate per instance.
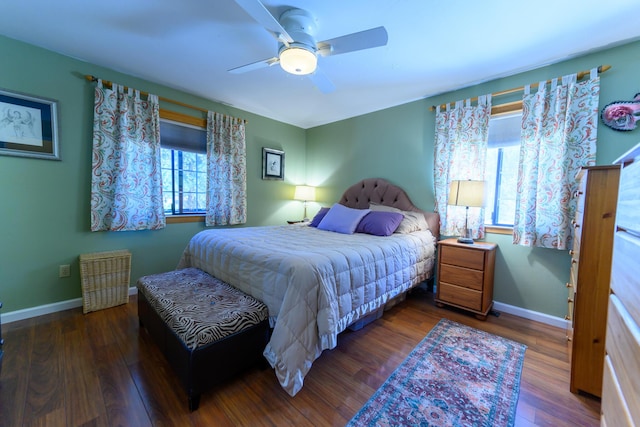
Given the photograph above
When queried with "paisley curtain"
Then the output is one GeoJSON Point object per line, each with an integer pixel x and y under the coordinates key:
{"type": "Point", "coordinates": [126, 183]}
{"type": "Point", "coordinates": [226, 171]}
{"type": "Point", "coordinates": [460, 153]}
{"type": "Point", "coordinates": [559, 125]}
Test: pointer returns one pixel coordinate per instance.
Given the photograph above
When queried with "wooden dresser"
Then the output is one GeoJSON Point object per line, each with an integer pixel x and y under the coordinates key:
{"type": "Point", "coordinates": [621, 384]}
{"type": "Point", "coordinates": [465, 275]}
{"type": "Point", "coordinates": [588, 285]}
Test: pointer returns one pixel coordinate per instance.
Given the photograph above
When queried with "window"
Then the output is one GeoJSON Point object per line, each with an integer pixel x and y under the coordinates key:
{"type": "Point", "coordinates": [501, 169]}
{"type": "Point", "coordinates": [184, 167]}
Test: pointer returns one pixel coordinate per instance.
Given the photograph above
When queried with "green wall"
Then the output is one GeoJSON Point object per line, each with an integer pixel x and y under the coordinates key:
{"type": "Point", "coordinates": [45, 204]}
{"type": "Point", "coordinates": [397, 144]}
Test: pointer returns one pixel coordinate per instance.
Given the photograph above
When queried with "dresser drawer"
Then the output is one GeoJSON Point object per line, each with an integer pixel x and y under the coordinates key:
{"type": "Point", "coordinates": [462, 257]}
{"type": "Point", "coordinates": [461, 276]}
{"type": "Point", "coordinates": [629, 198]}
{"type": "Point", "coordinates": [573, 273]}
{"type": "Point", "coordinates": [463, 297]}
{"type": "Point", "coordinates": [625, 276]}
{"type": "Point", "coordinates": [580, 192]}
{"type": "Point", "coordinates": [615, 411]}
{"type": "Point", "coordinates": [575, 250]}
{"type": "Point", "coordinates": [576, 225]}
{"type": "Point", "coordinates": [623, 348]}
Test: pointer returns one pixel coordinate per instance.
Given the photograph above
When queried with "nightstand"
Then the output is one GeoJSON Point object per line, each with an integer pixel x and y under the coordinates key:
{"type": "Point", "coordinates": [465, 276]}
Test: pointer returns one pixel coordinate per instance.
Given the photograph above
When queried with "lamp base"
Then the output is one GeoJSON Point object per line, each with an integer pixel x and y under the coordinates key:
{"type": "Point", "coordinates": [465, 240]}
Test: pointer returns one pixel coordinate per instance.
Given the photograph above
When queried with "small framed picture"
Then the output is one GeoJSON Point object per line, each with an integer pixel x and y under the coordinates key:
{"type": "Point", "coordinates": [272, 164]}
{"type": "Point", "coordinates": [28, 126]}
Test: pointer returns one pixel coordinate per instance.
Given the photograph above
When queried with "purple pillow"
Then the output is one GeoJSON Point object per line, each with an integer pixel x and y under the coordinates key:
{"type": "Point", "coordinates": [342, 219]}
{"type": "Point", "coordinates": [316, 219]}
{"type": "Point", "coordinates": [380, 223]}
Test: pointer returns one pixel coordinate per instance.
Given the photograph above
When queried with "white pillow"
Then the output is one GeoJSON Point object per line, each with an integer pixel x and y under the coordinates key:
{"type": "Point", "coordinates": [342, 219]}
{"type": "Point", "coordinates": [413, 221]}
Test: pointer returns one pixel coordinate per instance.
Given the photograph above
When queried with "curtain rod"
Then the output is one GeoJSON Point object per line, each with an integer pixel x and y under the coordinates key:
{"type": "Point", "coordinates": [580, 75]}
{"type": "Point", "coordinates": [161, 98]}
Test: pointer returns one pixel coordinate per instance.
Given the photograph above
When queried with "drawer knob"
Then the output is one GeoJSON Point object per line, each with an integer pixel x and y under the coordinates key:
{"type": "Point", "coordinates": [568, 285]}
{"type": "Point", "coordinates": [570, 300]}
{"type": "Point", "coordinates": [569, 339]}
{"type": "Point", "coordinates": [571, 252]}
{"type": "Point", "coordinates": [567, 317]}
{"type": "Point", "coordinates": [574, 261]}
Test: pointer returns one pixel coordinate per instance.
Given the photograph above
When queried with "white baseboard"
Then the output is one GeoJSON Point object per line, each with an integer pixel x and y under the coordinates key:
{"type": "Point", "coordinates": [531, 315]}
{"type": "Point", "coordinates": [14, 316]}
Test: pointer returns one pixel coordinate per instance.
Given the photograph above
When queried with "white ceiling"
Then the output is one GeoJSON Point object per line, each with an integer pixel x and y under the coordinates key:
{"type": "Point", "coordinates": [434, 46]}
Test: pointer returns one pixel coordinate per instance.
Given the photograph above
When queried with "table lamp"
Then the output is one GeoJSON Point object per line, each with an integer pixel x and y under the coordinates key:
{"type": "Point", "coordinates": [306, 194]}
{"type": "Point", "coordinates": [466, 193]}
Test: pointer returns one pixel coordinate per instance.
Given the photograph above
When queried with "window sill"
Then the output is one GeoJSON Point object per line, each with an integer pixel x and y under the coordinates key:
{"type": "Point", "coordinates": [498, 230]}
{"type": "Point", "coordinates": [178, 219]}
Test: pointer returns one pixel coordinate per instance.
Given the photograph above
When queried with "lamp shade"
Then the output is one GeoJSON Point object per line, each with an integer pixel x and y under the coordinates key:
{"type": "Point", "coordinates": [467, 193]}
{"type": "Point", "coordinates": [305, 193]}
{"type": "Point", "coordinates": [297, 60]}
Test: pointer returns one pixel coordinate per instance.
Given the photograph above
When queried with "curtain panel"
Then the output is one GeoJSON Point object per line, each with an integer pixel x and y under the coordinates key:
{"type": "Point", "coordinates": [126, 181]}
{"type": "Point", "coordinates": [559, 127]}
{"type": "Point", "coordinates": [226, 171]}
{"type": "Point", "coordinates": [460, 153]}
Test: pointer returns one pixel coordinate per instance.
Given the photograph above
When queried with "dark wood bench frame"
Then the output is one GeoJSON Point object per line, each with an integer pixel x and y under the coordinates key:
{"type": "Point", "coordinates": [213, 363]}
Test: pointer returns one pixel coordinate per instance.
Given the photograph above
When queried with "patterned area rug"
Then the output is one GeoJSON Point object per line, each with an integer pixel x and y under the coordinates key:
{"type": "Point", "coordinates": [457, 376]}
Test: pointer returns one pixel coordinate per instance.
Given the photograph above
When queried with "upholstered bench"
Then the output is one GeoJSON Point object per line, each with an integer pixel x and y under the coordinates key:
{"type": "Point", "coordinates": [207, 330]}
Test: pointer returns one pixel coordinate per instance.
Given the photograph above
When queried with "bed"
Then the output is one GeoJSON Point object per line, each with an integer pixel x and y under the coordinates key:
{"type": "Point", "coordinates": [314, 282]}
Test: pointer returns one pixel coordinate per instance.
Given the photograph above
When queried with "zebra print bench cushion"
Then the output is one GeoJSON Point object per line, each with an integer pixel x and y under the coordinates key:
{"type": "Point", "coordinates": [199, 308]}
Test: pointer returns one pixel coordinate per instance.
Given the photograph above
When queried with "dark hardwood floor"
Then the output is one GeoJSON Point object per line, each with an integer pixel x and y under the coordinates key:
{"type": "Point", "coordinates": [99, 369]}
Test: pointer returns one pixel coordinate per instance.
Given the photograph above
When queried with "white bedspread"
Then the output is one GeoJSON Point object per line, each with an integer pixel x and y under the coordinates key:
{"type": "Point", "coordinates": [314, 282]}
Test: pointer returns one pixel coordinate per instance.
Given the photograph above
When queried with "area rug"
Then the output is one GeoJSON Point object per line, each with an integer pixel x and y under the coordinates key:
{"type": "Point", "coordinates": [457, 376]}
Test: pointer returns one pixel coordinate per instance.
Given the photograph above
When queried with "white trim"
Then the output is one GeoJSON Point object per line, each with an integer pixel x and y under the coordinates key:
{"type": "Point", "coordinates": [14, 316]}
{"type": "Point", "coordinates": [558, 322]}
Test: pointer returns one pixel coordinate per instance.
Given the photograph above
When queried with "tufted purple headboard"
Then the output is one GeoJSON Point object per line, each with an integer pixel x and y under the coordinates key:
{"type": "Point", "coordinates": [378, 190]}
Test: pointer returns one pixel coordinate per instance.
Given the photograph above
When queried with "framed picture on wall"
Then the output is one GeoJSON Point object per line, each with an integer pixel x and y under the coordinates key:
{"type": "Point", "coordinates": [272, 164]}
{"type": "Point", "coordinates": [28, 126]}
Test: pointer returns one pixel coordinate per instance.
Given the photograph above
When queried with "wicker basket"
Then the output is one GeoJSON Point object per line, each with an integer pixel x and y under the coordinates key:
{"type": "Point", "coordinates": [105, 279]}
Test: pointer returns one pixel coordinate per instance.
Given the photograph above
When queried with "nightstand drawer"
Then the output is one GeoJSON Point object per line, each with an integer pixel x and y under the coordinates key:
{"type": "Point", "coordinates": [461, 276]}
{"type": "Point", "coordinates": [463, 297]}
{"type": "Point", "coordinates": [463, 257]}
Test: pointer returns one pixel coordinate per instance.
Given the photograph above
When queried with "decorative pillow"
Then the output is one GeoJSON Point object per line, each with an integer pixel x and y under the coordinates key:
{"type": "Point", "coordinates": [380, 223]}
{"type": "Point", "coordinates": [413, 221]}
{"type": "Point", "coordinates": [383, 208]}
{"type": "Point", "coordinates": [316, 219]}
{"type": "Point", "coordinates": [342, 219]}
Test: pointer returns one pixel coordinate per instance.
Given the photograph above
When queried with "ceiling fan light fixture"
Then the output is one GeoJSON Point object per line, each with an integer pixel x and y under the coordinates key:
{"type": "Point", "coordinates": [298, 60]}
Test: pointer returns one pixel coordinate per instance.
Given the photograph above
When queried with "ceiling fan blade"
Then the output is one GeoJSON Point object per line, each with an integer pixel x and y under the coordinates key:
{"type": "Point", "coordinates": [259, 12]}
{"type": "Point", "coordinates": [255, 65]}
{"type": "Point", "coordinates": [351, 42]}
{"type": "Point", "coordinates": [321, 81]}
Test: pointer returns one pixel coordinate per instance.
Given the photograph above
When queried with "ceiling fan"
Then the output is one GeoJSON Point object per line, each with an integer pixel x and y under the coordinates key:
{"type": "Point", "coordinates": [297, 47]}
